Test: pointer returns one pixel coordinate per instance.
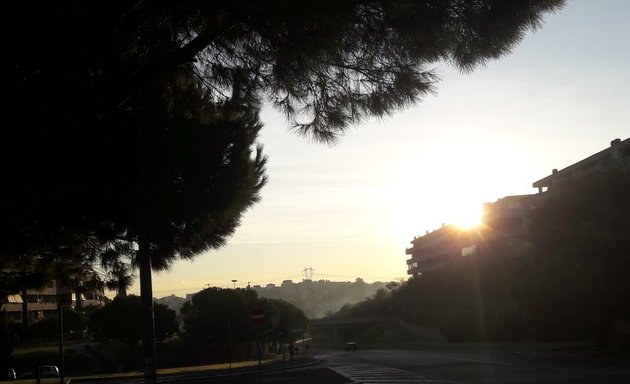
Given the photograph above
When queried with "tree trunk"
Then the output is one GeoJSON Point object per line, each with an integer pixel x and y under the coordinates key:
{"type": "Point", "coordinates": [146, 297]}
{"type": "Point", "coordinates": [24, 307]}
{"type": "Point", "coordinates": [144, 255]}
{"type": "Point", "coordinates": [122, 288]}
{"type": "Point", "coordinates": [78, 298]}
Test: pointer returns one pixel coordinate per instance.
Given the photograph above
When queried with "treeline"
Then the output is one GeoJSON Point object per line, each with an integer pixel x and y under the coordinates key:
{"type": "Point", "coordinates": [322, 297]}
{"type": "Point", "coordinates": [571, 283]}
{"type": "Point", "coordinates": [215, 325]}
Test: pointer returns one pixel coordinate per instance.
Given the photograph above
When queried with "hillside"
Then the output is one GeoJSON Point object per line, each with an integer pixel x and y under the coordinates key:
{"type": "Point", "coordinates": [315, 298]}
{"type": "Point", "coordinates": [322, 297]}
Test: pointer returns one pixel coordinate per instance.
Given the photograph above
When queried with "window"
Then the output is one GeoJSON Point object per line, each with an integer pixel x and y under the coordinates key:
{"type": "Point", "coordinates": [469, 250]}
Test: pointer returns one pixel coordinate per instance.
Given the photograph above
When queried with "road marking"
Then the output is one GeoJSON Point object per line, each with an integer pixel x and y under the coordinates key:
{"type": "Point", "coordinates": [374, 374]}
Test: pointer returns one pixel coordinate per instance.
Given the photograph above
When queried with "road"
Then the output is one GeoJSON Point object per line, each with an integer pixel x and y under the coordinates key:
{"type": "Point", "coordinates": [474, 367]}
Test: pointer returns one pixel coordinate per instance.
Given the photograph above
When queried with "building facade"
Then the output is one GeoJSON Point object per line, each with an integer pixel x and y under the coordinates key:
{"type": "Point", "coordinates": [438, 248]}
{"type": "Point", "coordinates": [41, 303]}
{"type": "Point", "coordinates": [44, 302]}
{"type": "Point", "coordinates": [506, 221]}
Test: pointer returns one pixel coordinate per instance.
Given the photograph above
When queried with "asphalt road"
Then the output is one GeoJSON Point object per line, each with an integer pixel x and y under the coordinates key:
{"type": "Point", "coordinates": [475, 367]}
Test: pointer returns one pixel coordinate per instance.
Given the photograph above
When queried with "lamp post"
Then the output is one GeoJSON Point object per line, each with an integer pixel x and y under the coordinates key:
{"type": "Point", "coordinates": [60, 319]}
{"type": "Point", "coordinates": [61, 302]}
{"type": "Point", "coordinates": [234, 281]}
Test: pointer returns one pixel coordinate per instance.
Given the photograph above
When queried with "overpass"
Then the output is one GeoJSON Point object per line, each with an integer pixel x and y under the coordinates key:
{"type": "Point", "coordinates": [327, 329]}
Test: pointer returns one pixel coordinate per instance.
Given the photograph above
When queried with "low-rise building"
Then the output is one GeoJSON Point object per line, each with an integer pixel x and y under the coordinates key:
{"type": "Point", "coordinates": [43, 302]}
{"type": "Point", "coordinates": [40, 302]}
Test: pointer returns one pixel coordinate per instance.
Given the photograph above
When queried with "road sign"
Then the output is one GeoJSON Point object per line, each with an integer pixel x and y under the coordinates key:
{"type": "Point", "coordinates": [257, 316]}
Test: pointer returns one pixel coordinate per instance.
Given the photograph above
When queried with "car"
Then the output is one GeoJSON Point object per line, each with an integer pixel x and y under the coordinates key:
{"type": "Point", "coordinates": [8, 374]}
{"type": "Point", "coordinates": [351, 346]}
{"type": "Point", "coordinates": [48, 371]}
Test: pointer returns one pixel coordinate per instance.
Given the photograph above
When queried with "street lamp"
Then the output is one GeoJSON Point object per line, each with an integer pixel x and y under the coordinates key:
{"type": "Point", "coordinates": [62, 300]}
{"type": "Point", "coordinates": [234, 281]}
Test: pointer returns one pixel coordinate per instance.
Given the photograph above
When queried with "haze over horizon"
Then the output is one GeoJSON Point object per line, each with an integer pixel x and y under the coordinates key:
{"type": "Point", "coordinates": [350, 210]}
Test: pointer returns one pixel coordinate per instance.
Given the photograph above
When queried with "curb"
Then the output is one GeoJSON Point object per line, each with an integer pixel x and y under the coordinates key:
{"type": "Point", "coordinates": [202, 375]}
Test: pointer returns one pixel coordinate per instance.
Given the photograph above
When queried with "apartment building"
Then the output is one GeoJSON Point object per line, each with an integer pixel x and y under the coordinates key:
{"type": "Point", "coordinates": [615, 157]}
{"type": "Point", "coordinates": [438, 248]}
{"type": "Point", "coordinates": [41, 303]}
{"type": "Point", "coordinates": [508, 219]}
{"type": "Point", "coordinates": [44, 302]}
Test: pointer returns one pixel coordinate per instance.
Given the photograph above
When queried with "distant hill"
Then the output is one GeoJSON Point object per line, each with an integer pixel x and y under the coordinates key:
{"type": "Point", "coordinates": [320, 298]}
{"type": "Point", "coordinates": [173, 302]}
{"type": "Point", "coordinates": [316, 298]}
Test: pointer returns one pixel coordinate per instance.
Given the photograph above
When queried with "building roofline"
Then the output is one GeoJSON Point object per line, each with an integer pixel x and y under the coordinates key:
{"type": "Point", "coordinates": [546, 181]}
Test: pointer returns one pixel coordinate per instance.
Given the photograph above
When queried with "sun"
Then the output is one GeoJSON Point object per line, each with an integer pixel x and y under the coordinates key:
{"type": "Point", "coordinates": [468, 222]}
{"type": "Point", "coordinates": [446, 185]}
{"type": "Point", "coordinates": [409, 216]}
{"type": "Point", "coordinates": [467, 217]}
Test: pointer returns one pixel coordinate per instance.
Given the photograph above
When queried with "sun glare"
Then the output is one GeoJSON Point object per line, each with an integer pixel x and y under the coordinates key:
{"type": "Point", "coordinates": [468, 219]}
{"type": "Point", "coordinates": [448, 184]}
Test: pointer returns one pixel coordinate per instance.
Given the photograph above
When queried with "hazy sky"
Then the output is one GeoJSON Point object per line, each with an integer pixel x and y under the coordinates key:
{"type": "Point", "coordinates": [351, 210]}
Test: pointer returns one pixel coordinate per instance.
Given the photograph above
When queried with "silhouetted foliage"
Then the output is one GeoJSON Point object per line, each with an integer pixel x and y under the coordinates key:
{"type": "Point", "coordinates": [289, 319]}
{"type": "Point", "coordinates": [119, 276]}
{"type": "Point", "coordinates": [184, 81]}
{"type": "Point", "coordinates": [218, 316]}
{"type": "Point", "coordinates": [317, 298]}
{"type": "Point", "coordinates": [213, 311]}
{"type": "Point", "coordinates": [45, 329]}
{"type": "Point", "coordinates": [121, 320]}
{"type": "Point", "coordinates": [75, 323]}
{"type": "Point", "coordinates": [7, 341]}
{"type": "Point", "coordinates": [579, 268]}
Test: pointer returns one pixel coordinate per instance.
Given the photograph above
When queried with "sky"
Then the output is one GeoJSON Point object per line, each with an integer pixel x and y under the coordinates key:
{"type": "Point", "coordinates": [350, 210]}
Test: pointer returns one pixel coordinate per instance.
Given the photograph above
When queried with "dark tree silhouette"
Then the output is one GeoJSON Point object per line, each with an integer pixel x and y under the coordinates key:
{"type": "Point", "coordinates": [213, 311]}
{"type": "Point", "coordinates": [290, 318]}
{"type": "Point", "coordinates": [121, 320]}
{"type": "Point", "coordinates": [7, 342]}
{"type": "Point", "coordinates": [120, 277]}
{"type": "Point", "coordinates": [134, 121]}
{"type": "Point", "coordinates": [207, 316]}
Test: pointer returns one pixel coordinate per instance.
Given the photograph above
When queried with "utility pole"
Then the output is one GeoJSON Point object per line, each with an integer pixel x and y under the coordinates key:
{"type": "Point", "coordinates": [308, 273]}
{"type": "Point", "coordinates": [60, 320]}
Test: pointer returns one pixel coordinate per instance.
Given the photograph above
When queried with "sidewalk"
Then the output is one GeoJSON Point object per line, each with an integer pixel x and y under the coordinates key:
{"type": "Point", "coordinates": [298, 371]}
